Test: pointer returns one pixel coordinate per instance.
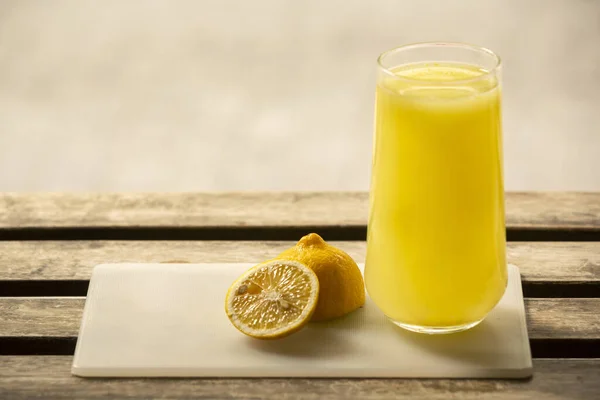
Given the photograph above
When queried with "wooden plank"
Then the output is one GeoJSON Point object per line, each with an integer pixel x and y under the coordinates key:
{"type": "Point", "coordinates": [550, 210]}
{"type": "Point", "coordinates": [182, 209]}
{"type": "Point", "coordinates": [26, 377]}
{"type": "Point", "coordinates": [563, 318]}
{"type": "Point", "coordinates": [74, 260]}
{"type": "Point", "coordinates": [60, 317]}
{"type": "Point", "coordinates": [536, 210]}
{"type": "Point", "coordinates": [40, 317]}
{"type": "Point", "coordinates": [556, 261]}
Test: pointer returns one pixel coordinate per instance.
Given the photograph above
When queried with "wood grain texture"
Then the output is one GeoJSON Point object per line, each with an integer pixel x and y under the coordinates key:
{"type": "Point", "coordinates": [182, 209]}
{"type": "Point", "coordinates": [26, 377]}
{"type": "Point", "coordinates": [556, 261]}
{"type": "Point", "coordinates": [563, 318]}
{"type": "Point", "coordinates": [74, 260]}
{"type": "Point", "coordinates": [537, 210]}
{"type": "Point", "coordinates": [60, 317]}
{"type": "Point", "coordinates": [550, 210]}
{"type": "Point", "coordinates": [40, 317]}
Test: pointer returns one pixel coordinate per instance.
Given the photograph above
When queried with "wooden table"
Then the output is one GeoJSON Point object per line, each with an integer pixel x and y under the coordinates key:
{"type": "Point", "coordinates": [49, 244]}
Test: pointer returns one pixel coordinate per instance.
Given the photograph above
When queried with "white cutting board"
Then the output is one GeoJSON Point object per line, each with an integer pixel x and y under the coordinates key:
{"type": "Point", "coordinates": [162, 320]}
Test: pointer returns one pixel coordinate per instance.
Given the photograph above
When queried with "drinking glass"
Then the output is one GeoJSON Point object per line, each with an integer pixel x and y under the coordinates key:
{"type": "Point", "coordinates": [436, 259]}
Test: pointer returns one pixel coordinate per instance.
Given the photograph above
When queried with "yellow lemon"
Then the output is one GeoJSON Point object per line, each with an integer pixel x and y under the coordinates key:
{"type": "Point", "coordinates": [273, 299]}
{"type": "Point", "coordinates": [342, 289]}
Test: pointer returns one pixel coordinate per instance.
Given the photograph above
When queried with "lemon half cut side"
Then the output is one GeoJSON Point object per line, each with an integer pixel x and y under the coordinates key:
{"type": "Point", "coordinates": [273, 299]}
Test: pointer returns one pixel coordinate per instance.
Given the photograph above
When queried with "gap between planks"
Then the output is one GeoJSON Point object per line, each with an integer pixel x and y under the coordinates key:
{"type": "Point", "coordinates": [348, 232]}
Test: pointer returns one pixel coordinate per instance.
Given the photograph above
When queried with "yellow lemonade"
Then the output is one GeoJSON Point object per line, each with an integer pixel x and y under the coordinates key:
{"type": "Point", "coordinates": [436, 237]}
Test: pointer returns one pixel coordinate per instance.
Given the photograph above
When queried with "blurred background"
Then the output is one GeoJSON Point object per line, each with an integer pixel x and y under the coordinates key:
{"type": "Point", "coordinates": [271, 94]}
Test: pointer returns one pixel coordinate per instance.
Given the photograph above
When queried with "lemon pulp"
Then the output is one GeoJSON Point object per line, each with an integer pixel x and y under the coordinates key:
{"type": "Point", "coordinates": [273, 299]}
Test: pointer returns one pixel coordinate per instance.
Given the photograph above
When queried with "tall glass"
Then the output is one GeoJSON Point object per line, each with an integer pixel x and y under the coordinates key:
{"type": "Point", "coordinates": [436, 258]}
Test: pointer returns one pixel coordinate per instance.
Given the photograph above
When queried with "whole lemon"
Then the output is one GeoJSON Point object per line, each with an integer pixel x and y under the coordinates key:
{"type": "Point", "coordinates": [342, 289]}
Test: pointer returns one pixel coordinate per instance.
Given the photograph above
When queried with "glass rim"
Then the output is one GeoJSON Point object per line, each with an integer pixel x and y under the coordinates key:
{"type": "Point", "coordinates": [483, 50]}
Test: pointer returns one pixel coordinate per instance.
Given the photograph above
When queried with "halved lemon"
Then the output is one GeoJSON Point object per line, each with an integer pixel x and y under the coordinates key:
{"type": "Point", "coordinates": [342, 289]}
{"type": "Point", "coordinates": [273, 299]}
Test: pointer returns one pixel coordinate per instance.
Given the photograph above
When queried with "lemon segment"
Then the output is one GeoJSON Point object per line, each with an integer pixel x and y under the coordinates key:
{"type": "Point", "coordinates": [273, 299]}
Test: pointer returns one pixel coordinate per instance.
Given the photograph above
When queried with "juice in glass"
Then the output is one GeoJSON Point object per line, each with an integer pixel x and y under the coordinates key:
{"type": "Point", "coordinates": [436, 238]}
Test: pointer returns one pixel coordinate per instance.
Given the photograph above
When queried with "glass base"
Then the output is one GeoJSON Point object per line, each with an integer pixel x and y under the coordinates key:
{"type": "Point", "coordinates": [436, 330]}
